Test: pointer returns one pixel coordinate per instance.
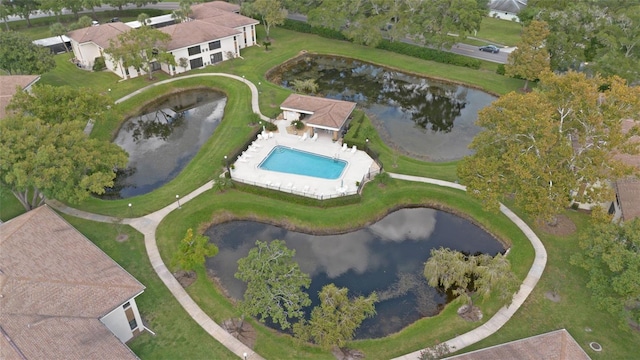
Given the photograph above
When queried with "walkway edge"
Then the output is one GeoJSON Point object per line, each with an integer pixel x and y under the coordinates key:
{"type": "Point", "coordinates": [506, 312]}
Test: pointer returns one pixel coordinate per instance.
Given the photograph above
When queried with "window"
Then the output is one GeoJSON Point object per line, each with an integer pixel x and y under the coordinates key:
{"type": "Point", "coordinates": [196, 63]}
{"type": "Point", "coordinates": [214, 45]}
{"type": "Point", "coordinates": [216, 58]}
{"type": "Point", "coordinates": [126, 305]}
{"type": "Point", "coordinates": [133, 324]}
{"type": "Point", "coordinates": [194, 50]}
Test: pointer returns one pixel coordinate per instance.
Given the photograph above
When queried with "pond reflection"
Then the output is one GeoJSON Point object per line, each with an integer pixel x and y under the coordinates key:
{"type": "Point", "coordinates": [425, 118]}
{"type": "Point", "coordinates": [164, 138]}
{"type": "Point", "coordinates": [387, 257]}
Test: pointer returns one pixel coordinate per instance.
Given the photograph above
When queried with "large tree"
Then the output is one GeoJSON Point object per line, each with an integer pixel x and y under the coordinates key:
{"type": "Point", "coordinates": [25, 8]}
{"type": "Point", "coordinates": [6, 10]}
{"type": "Point", "coordinates": [275, 283]}
{"type": "Point", "coordinates": [57, 29]}
{"type": "Point", "coordinates": [40, 160]}
{"type": "Point", "coordinates": [19, 56]}
{"type": "Point", "coordinates": [334, 322]}
{"type": "Point", "coordinates": [619, 38]}
{"type": "Point", "coordinates": [193, 251]}
{"type": "Point", "coordinates": [611, 255]}
{"type": "Point", "coordinates": [531, 57]}
{"type": "Point", "coordinates": [139, 48]}
{"type": "Point", "coordinates": [542, 146]}
{"type": "Point", "coordinates": [271, 12]}
{"type": "Point", "coordinates": [464, 275]}
{"type": "Point", "coordinates": [58, 104]}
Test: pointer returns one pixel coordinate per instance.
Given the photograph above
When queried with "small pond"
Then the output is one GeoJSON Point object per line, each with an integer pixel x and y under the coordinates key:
{"type": "Point", "coordinates": [164, 138]}
{"type": "Point", "coordinates": [387, 257]}
{"type": "Point", "coordinates": [424, 118]}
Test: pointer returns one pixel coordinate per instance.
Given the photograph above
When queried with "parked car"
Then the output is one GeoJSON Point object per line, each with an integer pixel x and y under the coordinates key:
{"type": "Point", "coordinates": [114, 20]}
{"type": "Point", "coordinates": [95, 23]}
{"type": "Point", "coordinates": [490, 48]}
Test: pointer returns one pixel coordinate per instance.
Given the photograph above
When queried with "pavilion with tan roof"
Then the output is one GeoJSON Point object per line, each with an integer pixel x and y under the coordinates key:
{"type": "Point", "coordinates": [320, 114]}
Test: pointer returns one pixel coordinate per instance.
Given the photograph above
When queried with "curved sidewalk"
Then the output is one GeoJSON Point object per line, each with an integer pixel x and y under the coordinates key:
{"type": "Point", "coordinates": [506, 312]}
{"type": "Point", "coordinates": [255, 105]}
{"type": "Point", "coordinates": [148, 224]}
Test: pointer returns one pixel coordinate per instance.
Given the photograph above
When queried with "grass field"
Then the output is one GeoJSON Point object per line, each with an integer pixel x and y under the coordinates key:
{"type": "Point", "coordinates": [179, 337]}
{"type": "Point", "coordinates": [500, 32]}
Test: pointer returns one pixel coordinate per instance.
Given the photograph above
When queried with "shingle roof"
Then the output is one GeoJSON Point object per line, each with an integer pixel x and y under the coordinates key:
{"type": "Point", "coordinates": [195, 32]}
{"type": "Point", "coordinates": [210, 13]}
{"type": "Point", "coordinates": [8, 86]}
{"type": "Point", "coordinates": [213, 8]}
{"type": "Point", "coordinates": [628, 189]}
{"type": "Point", "coordinates": [554, 345]}
{"type": "Point", "coordinates": [55, 286]}
{"type": "Point", "coordinates": [325, 112]}
{"type": "Point", "coordinates": [100, 34]}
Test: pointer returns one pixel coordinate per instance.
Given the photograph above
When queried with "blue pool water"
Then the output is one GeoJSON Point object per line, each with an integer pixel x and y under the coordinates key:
{"type": "Point", "coordinates": [292, 161]}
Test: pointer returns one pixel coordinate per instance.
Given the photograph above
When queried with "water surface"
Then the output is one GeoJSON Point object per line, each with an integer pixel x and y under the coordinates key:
{"type": "Point", "coordinates": [164, 138]}
{"type": "Point", "coordinates": [387, 257]}
{"type": "Point", "coordinates": [424, 118]}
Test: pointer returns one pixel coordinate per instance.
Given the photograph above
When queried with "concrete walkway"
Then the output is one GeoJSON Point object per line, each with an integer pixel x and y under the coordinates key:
{"type": "Point", "coordinates": [506, 312]}
{"type": "Point", "coordinates": [148, 224]}
{"type": "Point", "coordinates": [255, 106]}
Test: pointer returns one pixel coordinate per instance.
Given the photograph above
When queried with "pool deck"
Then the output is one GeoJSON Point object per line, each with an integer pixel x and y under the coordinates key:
{"type": "Point", "coordinates": [359, 164]}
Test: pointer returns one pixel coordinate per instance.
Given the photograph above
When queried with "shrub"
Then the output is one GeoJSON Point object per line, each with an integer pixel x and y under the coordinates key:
{"type": "Point", "coordinates": [500, 70]}
{"type": "Point", "coordinates": [298, 124]}
{"type": "Point", "coordinates": [99, 64]}
{"type": "Point", "coordinates": [269, 126]}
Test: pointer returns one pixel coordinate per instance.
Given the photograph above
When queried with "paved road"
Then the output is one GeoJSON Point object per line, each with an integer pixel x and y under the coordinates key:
{"type": "Point", "coordinates": [472, 51]}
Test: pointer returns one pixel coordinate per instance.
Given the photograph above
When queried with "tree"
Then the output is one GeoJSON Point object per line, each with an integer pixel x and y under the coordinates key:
{"type": "Point", "coordinates": [611, 255]}
{"type": "Point", "coordinates": [91, 4]}
{"type": "Point", "coordinates": [620, 40]}
{"type": "Point", "coordinates": [307, 86]}
{"type": "Point", "coordinates": [54, 6]}
{"type": "Point", "coordinates": [464, 274]}
{"type": "Point", "coordinates": [19, 56]}
{"type": "Point", "coordinates": [58, 30]}
{"type": "Point", "coordinates": [24, 8]}
{"type": "Point", "coordinates": [139, 48]}
{"type": "Point", "coordinates": [58, 104]}
{"type": "Point", "coordinates": [6, 10]}
{"type": "Point", "coordinates": [274, 283]}
{"type": "Point", "coordinates": [184, 10]}
{"type": "Point", "coordinates": [193, 251]}
{"type": "Point", "coordinates": [542, 146]}
{"type": "Point", "coordinates": [270, 11]}
{"type": "Point", "coordinates": [334, 322]}
{"type": "Point", "coordinates": [40, 160]}
{"type": "Point", "coordinates": [531, 57]}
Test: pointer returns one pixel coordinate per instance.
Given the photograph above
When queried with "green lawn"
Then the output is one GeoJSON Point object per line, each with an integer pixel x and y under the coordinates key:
{"type": "Point", "coordinates": [501, 32]}
{"type": "Point", "coordinates": [177, 335]}
{"type": "Point", "coordinates": [182, 338]}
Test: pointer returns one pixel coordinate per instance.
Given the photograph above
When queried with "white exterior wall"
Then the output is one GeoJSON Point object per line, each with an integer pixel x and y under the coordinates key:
{"type": "Point", "coordinates": [502, 15]}
{"type": "Point", "coordinates": [226, 45]}
{"type": "Point", "coordinates": [117, 322]}
{"type": "Point", "coordinates": [248, 32]}
{"type": "Point", "coordinates": [291, 115]}
{"type": "Point", "coordinates": [87, 53]}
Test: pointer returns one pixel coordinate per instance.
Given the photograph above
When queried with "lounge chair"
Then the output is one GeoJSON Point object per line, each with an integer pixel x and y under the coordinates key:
{"type": "Point", "coordinates": [255, 144]}
{"type": "Point", "coordinates": [259, 137]}
{"type": "Point", "coordinates": [344, 147]}
{"type": "Point", "coordinates": [354, 149]}
{"type": "Point", "coordinates": [314, 137]}
{"type": "Point", "coordinates": [241, 159]}
{"type": "Point", "coordinates": [305, 189]}
{"type": "Point", "coordinates": [270, 135]}
{"type": "Point", "coordinates": [303, 137]}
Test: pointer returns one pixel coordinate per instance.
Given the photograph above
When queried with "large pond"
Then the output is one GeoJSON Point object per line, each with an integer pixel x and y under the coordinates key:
{"type": "Point", "coordinates": [425, 118]}
{"type": "Point", "coordinates": [387, 257]}
{"type": "Point", "coordinates": [163, 138]}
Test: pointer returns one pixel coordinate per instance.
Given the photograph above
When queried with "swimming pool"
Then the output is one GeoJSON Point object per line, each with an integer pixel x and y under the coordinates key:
{"type": "Point", "coordinates": [292, 161]}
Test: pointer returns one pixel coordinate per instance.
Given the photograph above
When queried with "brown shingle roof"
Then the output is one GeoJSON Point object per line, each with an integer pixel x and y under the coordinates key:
{"type": "Point", "coordinates": [55, 286]}
{"type": "Point", "coordinates": [100, 35]}
{"type": "Point", "coordinates": [195, 32]}
{"type": "Point", "coordinates": [628, 191]}
{"type": "Point", "coordinates": [9, 85]}
{"type": "Point", "coordinates": [554, 345]}
{"type": "Point", "coordinates": [211, 14]}
{"type": "Point", "coordinates": [325, 112]}
{"type": "Point", "coordinates": [213, 8]}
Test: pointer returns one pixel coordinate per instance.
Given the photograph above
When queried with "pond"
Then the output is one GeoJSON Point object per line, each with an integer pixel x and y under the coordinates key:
{"type": "Point", "coordinates": [387, 257]}
{"type": "Point", "coordinates": [163, 139]}
{"type": "Point", "coordinates": [424, 118]}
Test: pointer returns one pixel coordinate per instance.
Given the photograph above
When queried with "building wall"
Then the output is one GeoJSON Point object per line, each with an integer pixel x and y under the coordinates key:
{"type": "Point", "coordinates": [248, 37]}
{"type": "Point", "coordinates": [290, 115]}
{"type": "Point", "coordinates": [86, 54]}
{"type": "Point", "coordinates": [118, 323]}
{"type": "Point", "coordinates": [502, 15]}
{"type": "Point", "coordinates": [227, 45]}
